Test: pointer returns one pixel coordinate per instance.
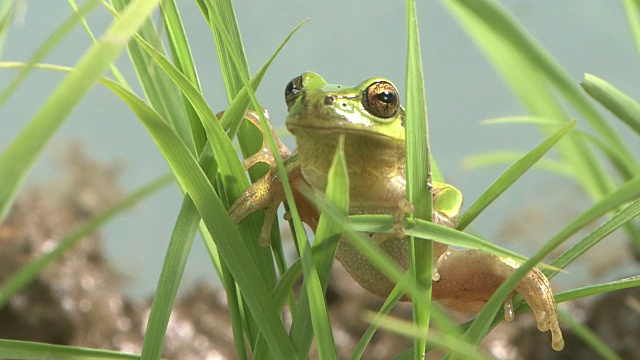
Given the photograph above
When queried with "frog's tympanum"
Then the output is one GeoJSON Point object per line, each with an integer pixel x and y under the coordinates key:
{"type": "Point", "coordinates": [371, 119]}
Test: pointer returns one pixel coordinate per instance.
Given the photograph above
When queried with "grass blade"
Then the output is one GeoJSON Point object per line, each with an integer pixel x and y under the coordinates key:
{"type": "Point", "coordinates": [632, 9]}
{"type": "Point", "coordinates": [418, 174]}
{"type": "Point", "coordinates": [16, 160]}
{"type": "Point", "coordinates": [15, 349]}
{"type": "Point", "coordinates": [506, 179]}
{"type": "Point", "coordinates": [52, 41]}
{"type": "Point", "coordinates": [620, 104]}
{"type": "Point", "coordinates": [26, 274]}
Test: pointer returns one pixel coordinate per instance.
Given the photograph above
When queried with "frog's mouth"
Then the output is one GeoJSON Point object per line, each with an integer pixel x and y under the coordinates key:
{"type": "Point", "coordinates": [345, 124]}
{"type": "Point", "coordinates": [349, 130]}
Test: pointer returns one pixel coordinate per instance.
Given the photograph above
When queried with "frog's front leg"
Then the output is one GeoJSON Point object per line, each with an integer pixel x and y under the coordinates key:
{"type": "Point", "coordinates": [468, 278]}
{"type": "Point", "coordinates": [267, 192]}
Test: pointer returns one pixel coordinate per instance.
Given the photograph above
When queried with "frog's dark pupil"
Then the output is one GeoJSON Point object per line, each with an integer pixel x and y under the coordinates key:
{"type": "Point", "coordinates": [386, 97]}
{"type": "Point", "coordinates": [290, 89]}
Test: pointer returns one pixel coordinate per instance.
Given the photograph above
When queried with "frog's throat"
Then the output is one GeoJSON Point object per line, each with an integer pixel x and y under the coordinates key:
{"type": "Point", "coordinates": [376, 168]}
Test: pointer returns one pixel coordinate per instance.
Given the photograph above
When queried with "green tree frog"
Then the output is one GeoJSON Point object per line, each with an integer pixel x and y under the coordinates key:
{"type": "Point", "coordinates": [371, 119]}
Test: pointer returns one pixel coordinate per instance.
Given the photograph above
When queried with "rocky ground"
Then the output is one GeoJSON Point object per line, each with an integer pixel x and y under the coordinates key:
{"type": "Point", "coordinates": [77, 300]}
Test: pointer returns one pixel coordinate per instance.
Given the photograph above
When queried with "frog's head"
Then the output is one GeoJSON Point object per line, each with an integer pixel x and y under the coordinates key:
{"type": "Point", "coordinates": [371, 108]}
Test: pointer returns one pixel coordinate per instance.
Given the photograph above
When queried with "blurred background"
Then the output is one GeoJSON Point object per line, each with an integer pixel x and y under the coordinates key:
{"type": "Point", "coordinates": [345, 42]}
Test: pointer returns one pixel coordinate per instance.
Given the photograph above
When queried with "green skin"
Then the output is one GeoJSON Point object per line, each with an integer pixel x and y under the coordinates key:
{"type": "Point", "coordinates": [372, 122]}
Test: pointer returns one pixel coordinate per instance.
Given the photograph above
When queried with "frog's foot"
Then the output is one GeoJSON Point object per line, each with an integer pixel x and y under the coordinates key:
{"type": "Point", "coordinates": [536, 291]}
{"type": "Point", "coordinates": [267, 194]}
{"type": "Point", "coordinates": [404, 207]}
{"type": "Point", "coordinates": [264, 154]}
{"type": "Point", "coordinates": [469, 278]}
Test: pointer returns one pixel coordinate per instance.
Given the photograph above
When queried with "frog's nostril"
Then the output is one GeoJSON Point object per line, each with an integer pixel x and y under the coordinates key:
{"type": "Point", "coordinates": [329, 100]}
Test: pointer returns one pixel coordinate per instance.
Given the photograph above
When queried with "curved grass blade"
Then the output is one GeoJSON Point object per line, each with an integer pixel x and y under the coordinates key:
{"type": "Point", "coordinates": [19, 156]}
{"type": "Point", "coordinates": [157, 87]}
{"type": "Point", "coordinates": [498, 24]}
{"type": "Point", "coordinates": [529, 70]}
{"type": "Point", "coordinates": [620, 104]}
{"type": "Point", "coordinates": [593, 290]}
{"type": "Point", "coordinates": [632, 9]}
{"type": "Point", "coordinates": [513, 173]}
{"type": "Point", "coordinates": [27, 273]}
{"type": "Point", "coordinates": [587, 335]}
{"type": "Point", "coordinates": [114, 70]}
{"type": "Point", "coordinates": [453, 345]}
{"type": "Point", "coordinates": [52, 41]}
{"type": "Point", "coordinates": [621, 218]}
{"type": "Point", "coordinates": [7, 12]}
{"type": "Point", "coordinates": [183, 60]}
{"type": "Point", "coordinates": [428, 230]}
{"type": "Point", "coordinates": [16, 349]}
{"type": "Point", "coordinates": [169, 280]}
{"type": "Point", "coordinates": [495, 158]}
{"type": "Point", "coordinates": [320, 320]}
{"type": "Point", "coordinates": [241, 261]}
{"type": "Point", "coordinates": [481, 324]}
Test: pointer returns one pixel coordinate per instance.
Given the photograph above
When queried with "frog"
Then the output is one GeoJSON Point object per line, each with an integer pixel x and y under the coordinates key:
{"type": "Point", "coordinates": [371, 121]}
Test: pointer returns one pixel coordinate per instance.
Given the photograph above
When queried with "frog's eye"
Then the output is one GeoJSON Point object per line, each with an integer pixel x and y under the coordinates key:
{"type": "Point", "coordinates": [381, 99]}
{"type": "Point", "coordinates": [292, 90]}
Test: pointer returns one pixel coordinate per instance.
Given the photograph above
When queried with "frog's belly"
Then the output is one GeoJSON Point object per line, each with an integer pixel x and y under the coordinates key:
{"type": "Point", "coordinates": [367, 274]}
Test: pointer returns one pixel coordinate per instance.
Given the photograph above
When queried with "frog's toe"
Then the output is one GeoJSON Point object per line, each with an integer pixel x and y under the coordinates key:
{"type": "Point", "coordinates": [537, 293]}
{"type": "Point", "coordinates": [265, 154]}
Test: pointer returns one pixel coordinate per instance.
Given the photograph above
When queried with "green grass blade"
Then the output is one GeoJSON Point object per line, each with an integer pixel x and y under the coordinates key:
{"type": "Point", "coordinates": [52, 41]}
{"type": "Point", "coordinates": [625, 193]}
{"type": "Point", "coordinates": [7, 11]}
{"type": "Point", "coordinates": [329, 229]}
{"type": "Point", "coordinates": [620, 104]}
{"type": "Point", "coordinates": [418, 174]}
{"type": "Point", "coordinates": [230, 169]}
{"type": "Point", "coordinates": [513, 173]}
{"type": "Point", "coordinates": [587, 335]}
{"type": "Point", "coordinates": [222, 16]}
{"type": "Point", "coordinates": [428, 230]}
{"type": "Point", "coordinates": [234, 66]}
{"type": "Point", "coordinates": [15, 349]}
{"type": "Point", "coordinates": [593, 290]}
{"type": "Point", "coordinates": [376, 321]}
{"type": "Point", "coordinates": [529, 70]}
{"type": "Point", "coordinates": [632, 9]}
{"type": "Point", "coordinates": [326, 238]}
{"type": "Point", "coordinates": [169, 280]}
{"type": "Point", "coordinates": [27, 273]}
{"type": "Point", "coordinates": [496, 158]}
{"type": "Point", "coordinates": [572, 295]}
{"type": "Point", "coordinates": [452, 345]}
{"type": "Point", "coordinates": [621, 218]}
{"type": "Point", "coordinates": [114, 70]}
{"type": "Point", "coordinates": [19, 156]}
{"type": "Point", "coordinates": [238, 257]}
{"type": "Point", "coordinates": [482, 323]}
{"type": "Point", "coordinates": [316, 300]}
{"type": "Point", "coordinates": [183, 60]}
{"type": "Point", "coordinates": [157, 87]}
{"type": "Point", "coordinates": [495, 20]}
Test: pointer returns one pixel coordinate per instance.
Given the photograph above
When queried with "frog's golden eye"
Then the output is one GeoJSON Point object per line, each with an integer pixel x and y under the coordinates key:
{"type": "Point", "coordinates": [292, 90]}
{"type": "Point", "coordinates": [381, 99]}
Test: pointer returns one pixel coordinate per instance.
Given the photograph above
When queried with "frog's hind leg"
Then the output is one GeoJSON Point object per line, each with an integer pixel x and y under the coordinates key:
{"type": "Point", "coordinates": [469, 278]}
